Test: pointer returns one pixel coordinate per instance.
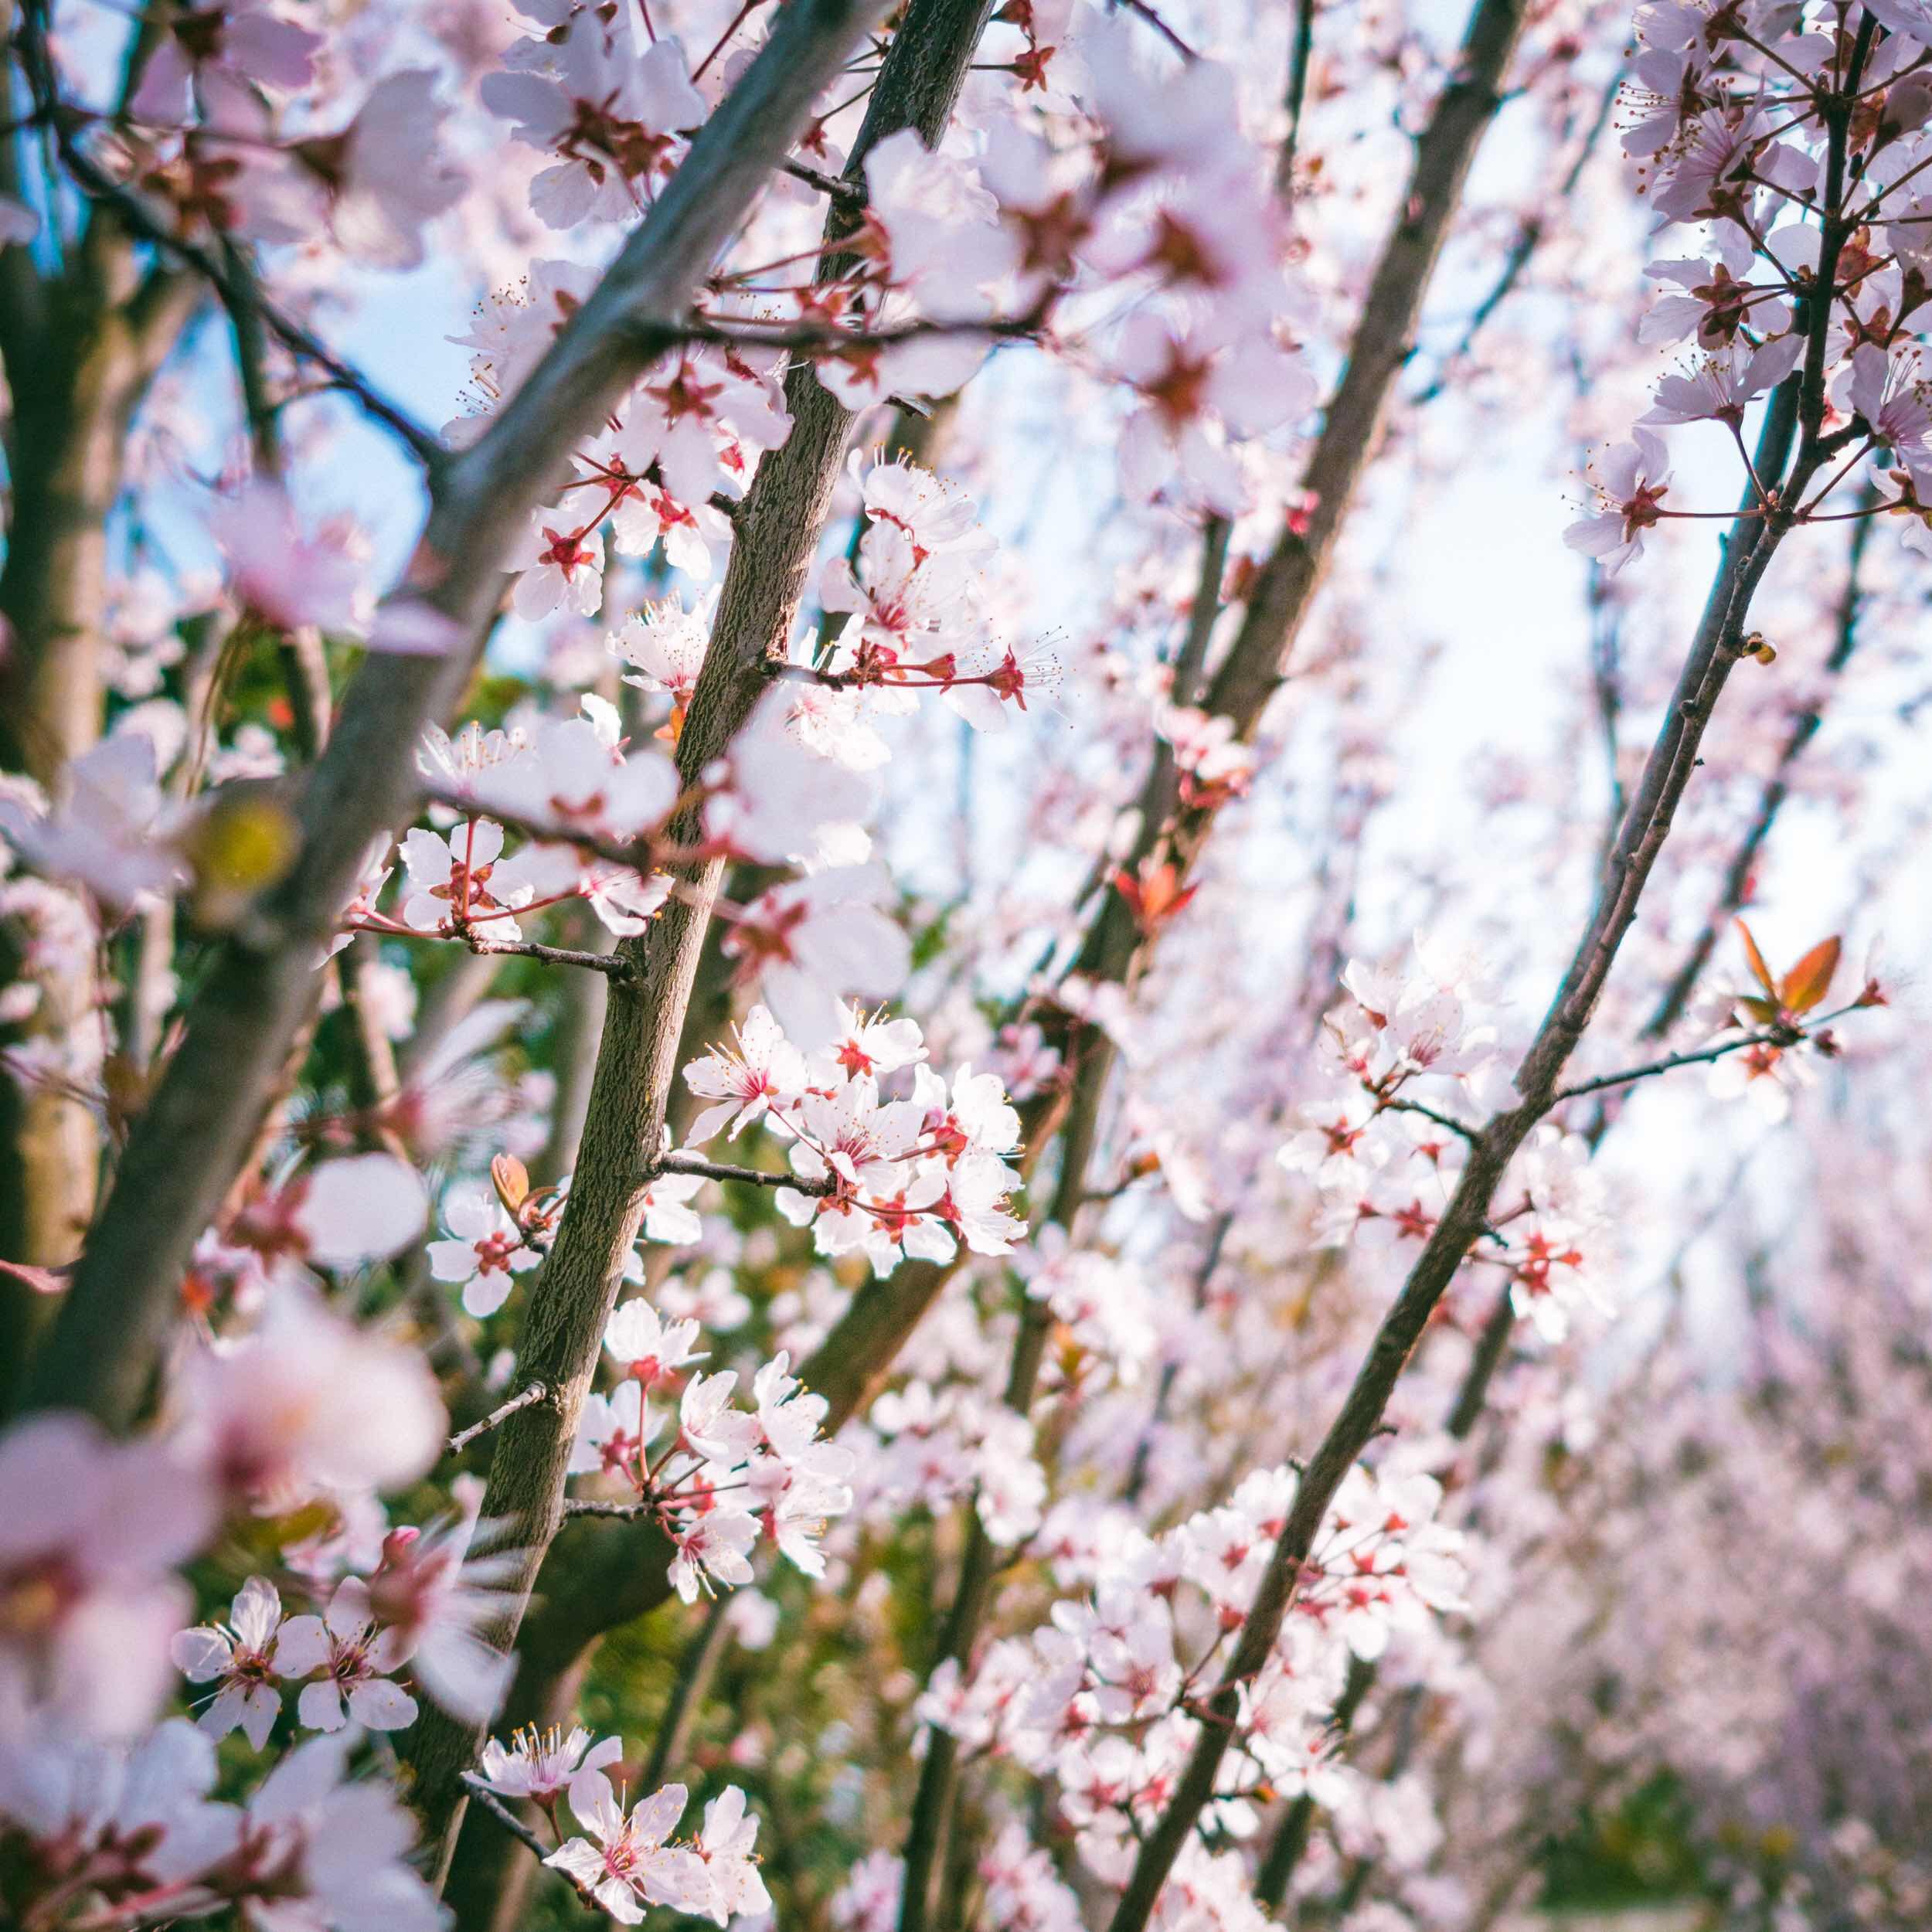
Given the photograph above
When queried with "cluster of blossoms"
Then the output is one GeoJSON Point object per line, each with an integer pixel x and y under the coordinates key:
{"type": "Point", "coordinates": [634, 1862]}
{"type": "Point", "coordinates": [724, 1473]}
{"type": "Point", "coordinates": [349, 1655]}
{"type": "Point", "coordinates": [686, 440]}
{"type": "Point", "coordinates": [630, 1860]}
{"type": "Point", "coordinates": [109, 827]}
{"type": "Point", "coordinates": [105, 839]}
{"type": "Point", "coordinates": [1735, 124]}
{"type": "Point", "coordinates": [300, 1423]}
{"type": "Point", "coordinates": [888, 1178]}
{"type": "Point", "coordinates": [1154, 211]}
{"type": "Point", "coordinates": [1386, 1152]}
{"type": "Point", "coordinates": [931, 1447]}
{"type": "Point", "coordinates": [595, 812]}
{"type": "Point", "coordinates": [913, 598]}
{"type": "Point", "coordinates": [1105, 1309]}
{"type": "Point", "coordinates": [1115, 215]}
{"type": "Point", "coordinates": [885, 1178]}
{"type": "Point", "coordinates": [1212, 764]}
{"type": "Point", "coordinates": [1155, 216]}
{"type": "Point", "coordinates": [611, 104]}
{"type": "Point", "coordinates": [915, 619]}
{"type": "Point", "coordinates": [134, 1828]}
{"type": "Point", "coordinates": [1105, 1699]}
{"type": "Point", "coordinates": [1208, 1891]}
{"type": "Point", "coordinates": [213, 139]}
{"type": "Point", "coordinates": [561, 780]}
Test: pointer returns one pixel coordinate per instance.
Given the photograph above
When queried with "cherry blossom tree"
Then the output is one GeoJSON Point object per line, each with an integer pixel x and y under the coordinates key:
{"type": "Point", "coordinates": [940, 962]}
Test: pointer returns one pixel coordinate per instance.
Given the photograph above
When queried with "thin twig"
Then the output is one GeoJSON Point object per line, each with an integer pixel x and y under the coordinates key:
{"type": "Point", "coordinates": [838, 189]}
{"type": "Point", "coordinates": [1160, 27]}
{"type": "Point", "coordinates": [726, 1171]}
{"type": "Point", "coordinates": [1458, 1127]}
{"type": "Point", "coordinates": [657, 335]}
{"type": "Point", "coordinates": [624, 1512]}
{"type": "Point", "coordinates": [1771, 799]}
{"type": "Point", "coordinates": [1302, 52]}
{"type": "Point", "coordinates": [1777, 1036]}
{"type": "Point", "coordinates": [1191, 659]}
{"type": "Point", "coordinates": [634, 854]}
{"type": "Point", "coordinates": [523, 1834]}
{"type": "Point", "coordinates": [613, 965]}
{"type": "Point", "coordinates": [1528, 238]}
{"type": "Point", "coordinates": [523, 1399]}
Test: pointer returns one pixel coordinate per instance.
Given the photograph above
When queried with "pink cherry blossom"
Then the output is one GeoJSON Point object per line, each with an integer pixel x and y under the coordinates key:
{"type": "Point", "coordinates": [486, 1250]}
{"type": "Point", "coordinates": [285, 575]}
{"type": "Point", "coordinates": [88, 1545]}
{"type": "Point", "coordinates": [351, 1656]}
{"type": "Point", "coordinates": [629, 1865]}
{"type": "Point", "coordinates": [241, 1656]}
{"type": "Point", "coordinates": [542, 1765]}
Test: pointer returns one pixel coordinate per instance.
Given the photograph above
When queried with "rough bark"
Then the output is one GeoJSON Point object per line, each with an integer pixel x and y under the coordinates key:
{"type": "Point", "coordinates": [80, 349]}
{"type": "Point", "coordinates": [77, 371]}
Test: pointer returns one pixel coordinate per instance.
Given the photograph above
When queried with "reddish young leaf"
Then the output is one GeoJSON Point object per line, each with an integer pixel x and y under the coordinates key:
{"type": "Point", "coordinates": [1810, 979]}
{"type": "Point", "coordinates": [1760, 971]}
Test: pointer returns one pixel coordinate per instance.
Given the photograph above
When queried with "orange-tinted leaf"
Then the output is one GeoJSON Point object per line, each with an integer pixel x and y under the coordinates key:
{"type": "Point", "coordinates": [1765, 1011]}
{"type": "Point", "coordinates": [1759, 970]}
{"type": "Point", "coordinates": [512, 1181]}
{"type": "Point", "coordinates": [1810, 979]}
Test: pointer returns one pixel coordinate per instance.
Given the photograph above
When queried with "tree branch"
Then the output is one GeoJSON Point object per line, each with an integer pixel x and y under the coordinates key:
{"type": "Point", "coordinates": [1279, 599]}
{"type": "Point", "coordinates": [1713, 653]}
{"type": "Point", "coordinates": [504, 1816]}
{"type": "Point", "coordinates": [198, 1128]}
{"type": "Point", "coordinates": [726, 1171]}
{"type": "Point", "coordinates": [612, 965]}
{"type": "Point", "coordinates": [778, 531]}
{"type": "Point", "coordinates": [1735, 889]}
{"type": "Point", "coordinates": [604, 1575]}
{"type": "Point", "coordinates": [1778, 1036]}
{"type": "Point", "coordinates": [1301, 52]}
{"type": "Point", "coordinates": [1160, 26]}
{"type": "Point", "coordinates": [537, 1392]}
{"type": "Point", "coordinates": [1461, 1129]}
{"type": "Point", "coordinates": [1529, 239]}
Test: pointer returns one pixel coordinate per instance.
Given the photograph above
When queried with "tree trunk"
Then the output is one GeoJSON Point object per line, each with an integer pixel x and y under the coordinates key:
{"type": "Point", "coordinates": [78, 372]}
